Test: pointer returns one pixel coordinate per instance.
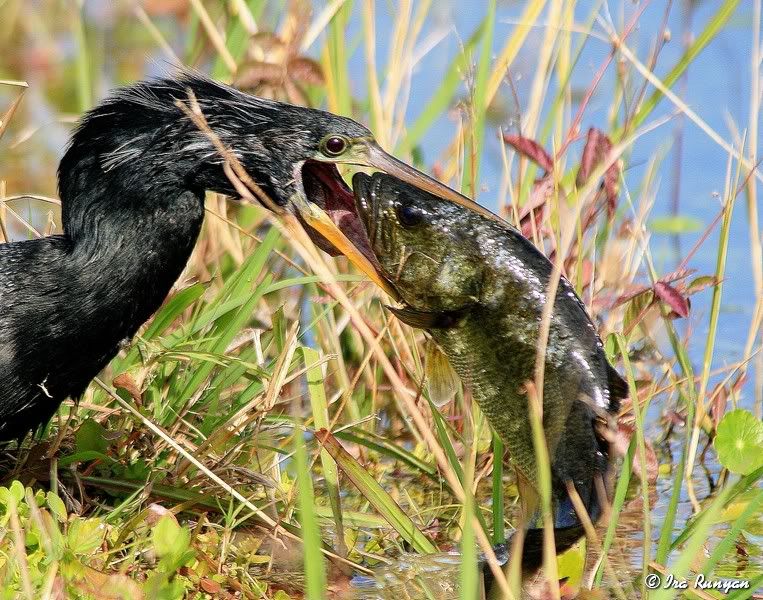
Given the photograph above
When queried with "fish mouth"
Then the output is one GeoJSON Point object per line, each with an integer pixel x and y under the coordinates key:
{"type": "Point", "coordinates": [367, 203]}
{"type": "Point", "coordinates": [324, 187]}
{"type": "Point", "coordinates": [333, 222]}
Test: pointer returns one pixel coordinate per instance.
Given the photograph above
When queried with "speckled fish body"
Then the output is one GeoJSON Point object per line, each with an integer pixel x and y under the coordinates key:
{"type": "Point", "coordinates": [479, 287]}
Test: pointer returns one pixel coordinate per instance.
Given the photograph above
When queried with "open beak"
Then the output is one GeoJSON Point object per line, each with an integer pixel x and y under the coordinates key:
{"type": "Point", "coordinates": [331, 209]}
{"type": "Point", "coordinates": [316, 217]}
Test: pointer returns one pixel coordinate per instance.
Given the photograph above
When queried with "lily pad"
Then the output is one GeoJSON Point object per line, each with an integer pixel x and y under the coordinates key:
{"type": "Point", "coordinates": [739, 442]}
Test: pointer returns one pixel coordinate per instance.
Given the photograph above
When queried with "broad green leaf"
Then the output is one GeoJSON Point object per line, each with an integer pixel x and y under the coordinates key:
{"type": "Point", "coordinates": [91, 437]}
{"type": "Point", "coordinates": [56, 506]}
{"type": "Point", "coordinates": [739, 442]}
{"type": "Point", "coordinates": [169, 538]}
{"type": "Point", "coordinates": [13, 494]}
{"type": "Point", "coordinates": [85, 535]}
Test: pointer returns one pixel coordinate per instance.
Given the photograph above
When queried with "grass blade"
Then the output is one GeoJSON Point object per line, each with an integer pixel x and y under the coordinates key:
{"type": "Point", "coordinates": [376, 495]}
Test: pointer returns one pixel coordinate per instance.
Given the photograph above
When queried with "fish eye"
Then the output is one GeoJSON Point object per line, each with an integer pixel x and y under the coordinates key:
{"type": "Point", "coordinates": [409, 215]}
{"type": "Point", "coordinates": [334, 145]}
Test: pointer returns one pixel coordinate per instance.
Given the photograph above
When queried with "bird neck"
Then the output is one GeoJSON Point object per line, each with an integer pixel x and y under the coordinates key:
{"type": "Point", "coordinates": [130, 250]}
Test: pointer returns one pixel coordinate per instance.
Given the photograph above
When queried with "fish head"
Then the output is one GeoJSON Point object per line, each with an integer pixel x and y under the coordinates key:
{"type": "Point", "coordinates": [426, 247]}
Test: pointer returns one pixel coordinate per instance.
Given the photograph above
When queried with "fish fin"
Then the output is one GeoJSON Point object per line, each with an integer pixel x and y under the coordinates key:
{"type": "Point", "coordinates": [426, 320]}
{"type": "Point", "coordinates": [529, 499]}
{"type": "Point", "coordinates": [442, 381]}
{"type": "Point", "coordinates": [618, 388]}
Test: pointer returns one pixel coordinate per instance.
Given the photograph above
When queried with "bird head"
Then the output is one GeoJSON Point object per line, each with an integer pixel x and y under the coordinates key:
{"type": "Point", "coordinates": [291, 152]}
{"type": "Point", "coordinates": [308, 146]}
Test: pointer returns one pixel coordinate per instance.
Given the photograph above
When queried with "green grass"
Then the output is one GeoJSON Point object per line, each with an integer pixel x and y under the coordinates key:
{"type": "Point", "coordinates": [268, 432]}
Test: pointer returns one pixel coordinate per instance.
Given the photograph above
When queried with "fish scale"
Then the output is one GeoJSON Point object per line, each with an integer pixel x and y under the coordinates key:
{"type": "Point", "coordinates": [495, 368]}
{"type": "Point", "coordinates": [479, 288]}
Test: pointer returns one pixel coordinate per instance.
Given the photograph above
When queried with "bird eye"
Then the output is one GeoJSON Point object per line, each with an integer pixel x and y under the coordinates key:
{"type": "Point", "coordinates": [409, 215]}
{"type": "Point", "coordinates": [334, 145]}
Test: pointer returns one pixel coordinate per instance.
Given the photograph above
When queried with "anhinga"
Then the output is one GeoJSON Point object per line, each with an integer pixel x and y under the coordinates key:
{"type": "Point", "coordinates": [132, 186]}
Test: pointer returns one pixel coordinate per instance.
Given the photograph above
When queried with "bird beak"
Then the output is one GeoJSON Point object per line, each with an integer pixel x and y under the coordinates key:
{"type": "Point", "coordinates": [378, 159]}
{"type": "Point", "coordinates": [367, 153]}
{"type": "Point", "coordinates": [316, 217]}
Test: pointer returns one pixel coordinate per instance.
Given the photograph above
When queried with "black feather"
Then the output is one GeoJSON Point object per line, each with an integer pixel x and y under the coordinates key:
{"type": "Point", "coordinates": [132, 186]}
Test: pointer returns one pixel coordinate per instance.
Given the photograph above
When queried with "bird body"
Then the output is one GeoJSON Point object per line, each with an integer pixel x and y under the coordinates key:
{"type": "Point", "coordinates": [132, 185]}
{"type": "Point", "coordinates": [69, 304]}
{"type": "Point", "coordinates": [479, 288]}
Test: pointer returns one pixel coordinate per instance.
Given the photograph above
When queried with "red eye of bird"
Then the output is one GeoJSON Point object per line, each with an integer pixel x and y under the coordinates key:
{"type": "Point", "coordinates": [335, 145]}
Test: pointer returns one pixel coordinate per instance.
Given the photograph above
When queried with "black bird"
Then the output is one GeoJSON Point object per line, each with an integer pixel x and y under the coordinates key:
{"type": "Point", "coordinates": [132, 186]}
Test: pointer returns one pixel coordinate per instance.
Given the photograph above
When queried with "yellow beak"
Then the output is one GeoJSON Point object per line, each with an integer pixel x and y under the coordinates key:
{"type": "Point", "coordinates": [316, 218]}
{"type": "Point", "coordinates": [371, 155]}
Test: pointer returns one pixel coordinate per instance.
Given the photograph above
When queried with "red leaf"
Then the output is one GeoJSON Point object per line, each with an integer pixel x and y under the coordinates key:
{"type": "Point", "coordinates": [542, 190]}
{"type": "Point", "coordinates": [596, 148]}
{"type": "Point", "coordinates": [535, 208]}
{"type": "Point", "coordinates": [612, 187]}
{"type": "Point", "coordinates": [530, 149]}
{"type": "Point", "coordinates": [588, 159]}
{"type": "Point", "coordinates": [672, 298]}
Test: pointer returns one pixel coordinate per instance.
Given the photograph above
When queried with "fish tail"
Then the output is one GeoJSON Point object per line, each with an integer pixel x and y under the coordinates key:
{"type": "Point", "coordinates": [564, 539]}
{"type": "Point", "coordinates": [532, 552]}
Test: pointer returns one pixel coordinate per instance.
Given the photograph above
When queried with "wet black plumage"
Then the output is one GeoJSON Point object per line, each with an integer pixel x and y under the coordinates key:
{"type": "Point", "coordinates": [132, 185]}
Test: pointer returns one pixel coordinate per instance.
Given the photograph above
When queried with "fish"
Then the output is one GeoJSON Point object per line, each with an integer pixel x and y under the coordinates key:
{"type": "Point", "coordinates": [478, 287]}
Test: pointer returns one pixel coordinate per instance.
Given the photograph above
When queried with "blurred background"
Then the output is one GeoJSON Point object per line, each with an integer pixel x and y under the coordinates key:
{"type": "Point", "coordinates": [72, 53]}
{"type": "Point", "coordinates": [413, 72]}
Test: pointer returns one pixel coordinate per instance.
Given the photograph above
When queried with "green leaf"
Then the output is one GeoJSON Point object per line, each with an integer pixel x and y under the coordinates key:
{"type": "Point", "coordinates": [280, 327]}
{"type": "Point", "coordinates": [85, 535]}
{"type": "Point", "coordinates": [700, 283]}
{"type": "Point", "coordinates": [169, 538]}
{"type": "Point", "coordinates": [319, 404]}
{"type": "Point", "coordinates": [14, 494]}
{"type": "Point", "coordinates": [675, 224]}
{"type": "Point", "coordinates": [315, 569]}
{"type": "Point", "coordinates": [739, 442]}
{"type": "Point", "coordinates": [173, 308]}
{"type": "Point", "coordinates": [91, 437]}
{"type": "Point", "coordinates": [56, 506]}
